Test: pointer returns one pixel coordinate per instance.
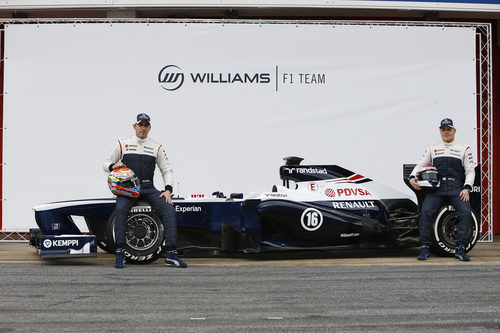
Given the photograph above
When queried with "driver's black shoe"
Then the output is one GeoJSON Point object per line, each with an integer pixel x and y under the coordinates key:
{"type": "Point", "coordinates": [424, 253]}
{"type": "Point", "coordinates": [120, 258]}
{"type": "Point", "coordinates": [174, 261]}
{"type": "Point", "coordinates": [460, 254]}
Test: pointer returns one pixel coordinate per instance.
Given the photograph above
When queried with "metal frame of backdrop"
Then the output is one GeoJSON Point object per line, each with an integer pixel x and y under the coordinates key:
{"type": "Point", "coordinates": [484, 90]}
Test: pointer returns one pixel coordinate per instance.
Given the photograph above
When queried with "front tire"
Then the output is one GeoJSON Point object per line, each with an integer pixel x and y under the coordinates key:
{"type": "Point", "coordinates": [445, 232]}
{"type": "Point", "coordinates": [143, 238]}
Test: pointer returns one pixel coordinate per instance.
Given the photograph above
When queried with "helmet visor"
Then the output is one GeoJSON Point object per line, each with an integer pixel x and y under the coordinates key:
{"type": "Point", "coordinates": [429, 175]}
{"type": "Point", "coordinates": [130, 183]}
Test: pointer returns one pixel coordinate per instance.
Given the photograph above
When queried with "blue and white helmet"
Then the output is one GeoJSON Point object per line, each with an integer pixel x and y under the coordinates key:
{"type": "Point", "coordinates": [428, 177]}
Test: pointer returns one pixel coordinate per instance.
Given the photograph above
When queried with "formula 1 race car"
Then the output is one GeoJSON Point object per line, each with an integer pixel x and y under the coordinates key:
{"type": "Point", "coordinates": [317, 207]}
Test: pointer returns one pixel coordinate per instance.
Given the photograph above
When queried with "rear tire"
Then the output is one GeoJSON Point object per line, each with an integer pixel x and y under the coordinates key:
{"type": "Point", "coordinates": [445, 232]}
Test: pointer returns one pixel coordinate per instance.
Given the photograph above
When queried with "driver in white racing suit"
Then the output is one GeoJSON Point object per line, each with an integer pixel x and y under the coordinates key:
{"type": "Point", "coordinates": [141, 154]}
{"type": "Point", "coordinates": [455, 166]}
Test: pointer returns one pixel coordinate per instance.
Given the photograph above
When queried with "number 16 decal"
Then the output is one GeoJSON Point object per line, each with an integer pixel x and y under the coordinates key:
{"type": "Point", "coordinates": [311, 219]}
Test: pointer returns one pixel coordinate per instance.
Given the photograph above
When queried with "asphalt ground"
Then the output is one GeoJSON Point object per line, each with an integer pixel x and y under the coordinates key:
{"type": "Point", "coordinates": [348, 291]}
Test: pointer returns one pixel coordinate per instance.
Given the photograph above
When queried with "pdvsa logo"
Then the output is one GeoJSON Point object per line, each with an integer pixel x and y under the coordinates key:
{"type": "Point", "coordinates": [170, 77]}
{"type": "Point", "coordinates": [330, 192]}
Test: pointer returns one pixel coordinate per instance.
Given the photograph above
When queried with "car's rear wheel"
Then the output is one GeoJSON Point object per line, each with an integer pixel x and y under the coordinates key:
{"type": "Point", "coordinates": [144, 236]}
{"type": "Point", "coordinates": [445, 232]}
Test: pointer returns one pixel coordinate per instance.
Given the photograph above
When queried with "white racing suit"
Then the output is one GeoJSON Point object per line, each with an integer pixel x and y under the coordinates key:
{"type": "Point", "coordinates": [142, 156]}
{"type": "Point", "coordinates": [455, 166]}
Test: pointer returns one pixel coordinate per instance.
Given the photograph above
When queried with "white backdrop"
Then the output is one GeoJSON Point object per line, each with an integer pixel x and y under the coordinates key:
{"type": "Point", "coordinates": [374, 102]}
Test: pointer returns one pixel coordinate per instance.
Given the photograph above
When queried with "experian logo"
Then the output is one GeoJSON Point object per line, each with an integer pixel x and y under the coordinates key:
{"type": "Point", "coordinates": [183, 209]}
{"type": "Point", "coordinates": [171, 77]}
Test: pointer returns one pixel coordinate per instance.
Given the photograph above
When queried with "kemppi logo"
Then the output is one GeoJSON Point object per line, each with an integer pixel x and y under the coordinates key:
{"type": "Point", "coordinates": [60, 242]}
{"type": "Point", "coordinates": [170, 77]}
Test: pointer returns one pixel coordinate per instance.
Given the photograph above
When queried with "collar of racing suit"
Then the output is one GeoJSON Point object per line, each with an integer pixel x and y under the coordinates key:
{"type": "Point", "coordinates": [139, 140]}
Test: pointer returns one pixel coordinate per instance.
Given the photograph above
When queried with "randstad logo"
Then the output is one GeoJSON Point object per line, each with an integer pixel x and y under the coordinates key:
{"type": "Point", "coordinates": [170, 77]}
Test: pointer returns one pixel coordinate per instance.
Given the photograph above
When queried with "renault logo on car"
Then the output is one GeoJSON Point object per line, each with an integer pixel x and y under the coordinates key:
{"type": "Point", "coordinates": [170, 77]}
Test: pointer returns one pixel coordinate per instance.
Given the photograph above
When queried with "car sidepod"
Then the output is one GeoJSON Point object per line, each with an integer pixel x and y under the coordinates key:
{"type": "Point", "coordinates": [291, 224]}
{"type": "Point", "coordinates": [218, 224]}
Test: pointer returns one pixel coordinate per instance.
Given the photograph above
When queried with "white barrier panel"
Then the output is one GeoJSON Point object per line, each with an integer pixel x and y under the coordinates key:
{"type": "Point", "coordinates": [368, 98]}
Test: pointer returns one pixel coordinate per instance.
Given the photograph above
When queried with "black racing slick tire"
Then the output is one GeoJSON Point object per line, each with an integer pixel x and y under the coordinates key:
{"type": "Point", "coordinates": [144, 236]}
{"type": "Point", "coordinates": [445, 232]}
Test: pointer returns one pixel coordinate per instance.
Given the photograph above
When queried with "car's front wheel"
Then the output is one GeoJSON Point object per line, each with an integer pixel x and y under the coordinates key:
{"type": "Point", "coordinates": [143, 238]}
{"type": "Point", "coordinates": [445, 232]}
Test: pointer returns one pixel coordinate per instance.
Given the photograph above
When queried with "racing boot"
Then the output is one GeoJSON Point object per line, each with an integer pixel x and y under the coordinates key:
{"type": "Point", "coordinates": [172, 260]}
{"type": "Point", "coordinates": [424, 252]}
{"type": "Point", "coordinates": [120, 258]}
{"type": "Point", "coordinates": [460, 254]}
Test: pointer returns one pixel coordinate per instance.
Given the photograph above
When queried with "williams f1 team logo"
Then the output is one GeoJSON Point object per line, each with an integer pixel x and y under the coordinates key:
{"type": "Point", "coordinates": [170, 77]}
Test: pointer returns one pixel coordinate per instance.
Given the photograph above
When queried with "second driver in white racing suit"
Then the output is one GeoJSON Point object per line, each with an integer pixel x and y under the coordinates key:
{"type": "Point", "coordinates": [455, 165]}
